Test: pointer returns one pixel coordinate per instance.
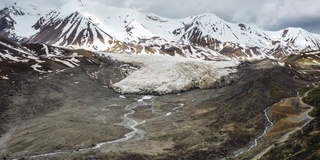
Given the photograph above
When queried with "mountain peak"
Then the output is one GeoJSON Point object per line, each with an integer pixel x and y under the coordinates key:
{"type": "Point", "coordinates": [136, 29]}
{"type": "Point", "coordinates": [208, 15]}
{"type": "Point", "coordinates": [94, 25]}
{"type": "Point", "coordinates": [16, 9]}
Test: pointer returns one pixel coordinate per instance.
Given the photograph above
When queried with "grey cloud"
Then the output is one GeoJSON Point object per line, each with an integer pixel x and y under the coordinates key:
{"type": "Point", "coordinates": [270, 14]}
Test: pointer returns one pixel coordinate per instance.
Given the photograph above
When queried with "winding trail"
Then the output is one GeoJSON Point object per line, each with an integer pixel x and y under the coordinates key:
{"type": "Point", "coordinates": [287, 135]}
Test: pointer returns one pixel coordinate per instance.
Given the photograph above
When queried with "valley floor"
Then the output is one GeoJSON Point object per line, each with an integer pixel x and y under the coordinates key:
{"type": "Point", "coordinates": [69, 115]}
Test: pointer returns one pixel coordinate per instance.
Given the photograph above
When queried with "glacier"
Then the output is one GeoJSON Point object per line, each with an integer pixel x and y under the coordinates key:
{"type": "Point", "coordinates": [165, 74]}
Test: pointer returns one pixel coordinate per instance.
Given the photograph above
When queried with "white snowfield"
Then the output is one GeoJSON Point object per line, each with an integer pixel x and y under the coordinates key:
{"type": "Point", "coordinates": [165, 74]}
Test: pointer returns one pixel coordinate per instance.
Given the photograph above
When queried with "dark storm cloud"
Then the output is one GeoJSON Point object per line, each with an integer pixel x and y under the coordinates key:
{"type": "Point", "coordinates": [266, 14]}
{"type": "Point", "coordinates": [311, 24]}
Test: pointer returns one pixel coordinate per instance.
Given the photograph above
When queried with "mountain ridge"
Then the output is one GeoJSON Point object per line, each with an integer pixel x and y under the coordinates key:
{"type": "Point", "coordinates": [95, 26]}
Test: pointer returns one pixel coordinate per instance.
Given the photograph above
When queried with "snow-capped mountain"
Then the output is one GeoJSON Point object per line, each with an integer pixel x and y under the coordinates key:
{"type": "Point", "coordinates": [75, 30]}
{"type": "Point", "coordinates": [95, 26]}
{"type": "Point", "coordinates": [208, 29]}
{"type": "Point", "coordinates": [294, 40]}
{"type": "Point", "coordinates": [17, 19]}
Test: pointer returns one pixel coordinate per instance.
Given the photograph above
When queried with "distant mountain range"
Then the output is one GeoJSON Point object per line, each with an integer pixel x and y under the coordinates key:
{"type": "Point", "coordinates": [95, 26]}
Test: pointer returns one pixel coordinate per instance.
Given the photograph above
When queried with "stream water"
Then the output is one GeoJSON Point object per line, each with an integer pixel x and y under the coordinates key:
{"type": "Point", "coordinates": [127, 122]}
{"type": "Point", "coordinates": [256, 141]}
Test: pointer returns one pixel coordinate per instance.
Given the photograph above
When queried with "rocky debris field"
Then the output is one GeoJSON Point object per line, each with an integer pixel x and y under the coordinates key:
{"type": "Point", "coordinates": [74, 114]}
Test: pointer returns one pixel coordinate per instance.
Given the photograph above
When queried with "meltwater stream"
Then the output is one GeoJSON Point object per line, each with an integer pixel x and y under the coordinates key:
{"type": "Point", "coordinates": [128, 122]}
{"type": "Point", "coordinates": [261, 136]}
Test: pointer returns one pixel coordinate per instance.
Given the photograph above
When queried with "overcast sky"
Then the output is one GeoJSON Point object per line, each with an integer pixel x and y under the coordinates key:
{"type": "Point", "coordinates": [266, 14]}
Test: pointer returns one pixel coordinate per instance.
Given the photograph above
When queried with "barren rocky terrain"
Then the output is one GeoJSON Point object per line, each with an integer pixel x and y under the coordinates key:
{"type": "Point", "coordinates": [70, 115]}
{"type": "Point", "coordinates": [85, 80]}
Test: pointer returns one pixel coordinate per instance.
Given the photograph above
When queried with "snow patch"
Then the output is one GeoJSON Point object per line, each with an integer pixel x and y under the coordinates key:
{"type": "Point", "coordinates": [36, 68]}
{"type": "Point", "coordinates": [4, 77]}
{"type": "Point", "coordinates": [122, 96]}
{"type": "Point", "coordinates": [69, 64]}
{"type": "Point", "coordinates": [316, 62]}
{"type": "Point", "coordinates": [147, 97]}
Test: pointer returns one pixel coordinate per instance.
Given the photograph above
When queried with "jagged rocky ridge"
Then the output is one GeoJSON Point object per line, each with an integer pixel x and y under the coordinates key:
{"type": "Point", "coordinates": [95, 26]}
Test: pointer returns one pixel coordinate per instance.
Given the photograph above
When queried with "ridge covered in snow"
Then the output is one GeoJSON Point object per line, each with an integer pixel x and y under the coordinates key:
{"type": "Point", "coordinates": [96, 26]}
{"type": "Point", "coordinates": [41, 58]}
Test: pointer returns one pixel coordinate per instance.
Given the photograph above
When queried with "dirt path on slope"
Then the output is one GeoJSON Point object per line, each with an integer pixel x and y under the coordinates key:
{"type": "Point", "coordinates": [287, 135]}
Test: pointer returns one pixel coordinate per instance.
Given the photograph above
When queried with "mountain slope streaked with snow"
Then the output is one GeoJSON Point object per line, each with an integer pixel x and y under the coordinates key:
{"type": "Point", "coordinates": [40, 58]}
{"type": "Point", "coordinates": [95, 26]}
